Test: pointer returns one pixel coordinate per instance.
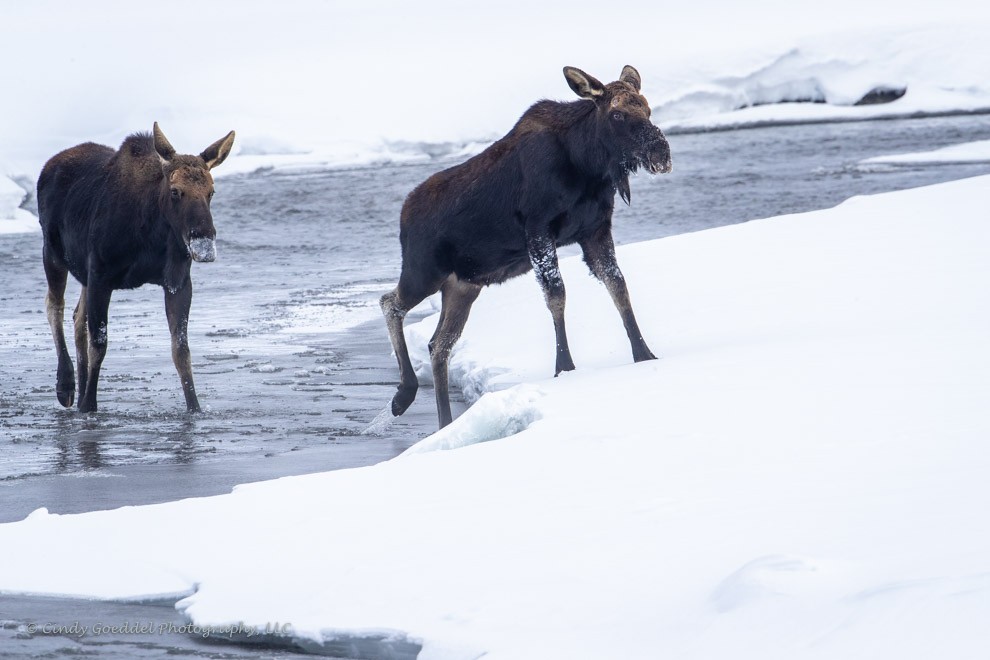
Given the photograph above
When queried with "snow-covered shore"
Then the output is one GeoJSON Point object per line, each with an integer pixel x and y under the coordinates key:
{"type": "Point", "coordinates": [802, 475]}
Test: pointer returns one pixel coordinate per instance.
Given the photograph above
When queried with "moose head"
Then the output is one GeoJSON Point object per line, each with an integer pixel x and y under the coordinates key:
{"type": "Point", "coordinates": [187, 190]}
{"type": "Point", "coordinates": [623, 116]}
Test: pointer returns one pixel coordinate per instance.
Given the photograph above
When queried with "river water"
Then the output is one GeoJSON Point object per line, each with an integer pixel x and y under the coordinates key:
{"type": "Point", "coordinates": [290, 355]}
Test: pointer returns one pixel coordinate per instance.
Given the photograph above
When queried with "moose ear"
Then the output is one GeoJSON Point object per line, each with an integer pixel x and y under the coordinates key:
{"type": "Point", "coordinates": [164, 148]}
{"type": "Point", "coordinates": [631, 76]}
{"type": "Point", "coordinates": [585, 86]}
{"type": "Point", "coordinates": [217, 152]}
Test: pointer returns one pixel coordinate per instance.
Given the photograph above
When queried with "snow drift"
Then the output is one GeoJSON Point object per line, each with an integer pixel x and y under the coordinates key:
{"type": "Point", "coordinates": [839, 77]}
{"type": "Point", "coordinates": [803, 474]}
{"type": "Point", "coordinates": [14, 219]}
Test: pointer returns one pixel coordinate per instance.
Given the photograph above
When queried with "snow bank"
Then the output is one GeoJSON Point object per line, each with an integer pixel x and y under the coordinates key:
{"type": "Point", "coordinates": [14, 219]}
{"type": "Point", "coordinates": [803, 474]}
{"type": "Point", "coordinates": [837, 77]}
{"type": "Point", "coordinates": [968, 152]}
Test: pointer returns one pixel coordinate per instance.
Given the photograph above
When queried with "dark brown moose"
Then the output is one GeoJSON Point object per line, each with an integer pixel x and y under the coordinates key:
{"type": "Point", "coordinates": [550, 182]}
{"type": "Point", "coordinates": [117, 220]}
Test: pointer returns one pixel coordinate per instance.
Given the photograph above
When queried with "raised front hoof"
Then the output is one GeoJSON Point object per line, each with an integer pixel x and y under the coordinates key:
{"type": "Point", "coordinates": [65, 397]}
{"type": "Point", "coordinates": [403, 398]}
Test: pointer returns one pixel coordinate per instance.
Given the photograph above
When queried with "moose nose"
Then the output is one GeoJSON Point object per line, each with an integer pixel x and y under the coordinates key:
{"type": "Point", "coordinates": [203, 249]}
{"type": "Point", "coordinates": [202, 242]}
{"type": "Point", "coordinates": [660, 161]}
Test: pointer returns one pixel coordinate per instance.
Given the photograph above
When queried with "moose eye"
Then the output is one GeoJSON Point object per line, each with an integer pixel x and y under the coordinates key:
{"type": "Point", "coordinates": [210, 196]}
{"type": "Point", "coordinates": [176, 193]}
{"type": "Point", "coordinates": [618, 116]}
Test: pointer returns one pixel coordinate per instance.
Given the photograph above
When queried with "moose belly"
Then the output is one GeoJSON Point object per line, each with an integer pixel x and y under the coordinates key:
{"type": "Point", "coordinates": [139, 273]}
{"type": "Point", "coordinates": [491, 269]}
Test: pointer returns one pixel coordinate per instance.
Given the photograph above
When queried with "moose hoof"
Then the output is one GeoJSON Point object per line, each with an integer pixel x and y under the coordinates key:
{"type": "Point", "coordinates": [87, 407]}
{"type": "Point", "coordinates": [65, 397]}
{"type": "Point", "coordinates": [643, 356]}
{"type": "Point", "coordinates": [403, 399]}
{"type": "Point", "coordinates": [566, 366]}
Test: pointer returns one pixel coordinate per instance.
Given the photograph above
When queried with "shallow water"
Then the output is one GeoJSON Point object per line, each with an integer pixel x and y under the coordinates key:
{"type": "Point", "coordinates": [291, 359]}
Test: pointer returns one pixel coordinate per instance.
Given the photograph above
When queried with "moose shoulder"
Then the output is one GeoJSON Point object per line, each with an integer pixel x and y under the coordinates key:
{"type": "Point", "coordinates": [118, 220]}
{"type": "Point", "coordinates": [550, 182]}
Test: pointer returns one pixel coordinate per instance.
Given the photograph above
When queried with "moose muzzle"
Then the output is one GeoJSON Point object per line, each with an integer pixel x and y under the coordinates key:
{"type": "Point", "coordinates": [203, 249]}
{"type": "Point", "coordinates": [657, 158]}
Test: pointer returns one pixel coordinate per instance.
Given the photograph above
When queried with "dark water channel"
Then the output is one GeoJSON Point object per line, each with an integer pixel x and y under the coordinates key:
{"type": "Point", "coordinates": [291, 359]}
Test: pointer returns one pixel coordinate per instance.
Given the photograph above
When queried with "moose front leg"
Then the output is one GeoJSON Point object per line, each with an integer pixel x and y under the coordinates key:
{"type": "Point", "coordinates": [82, 341]}
{"type": "Point", "coordinates": [543, 256]}
{"type": "Point", "coordinates": [177, 305]}
{"type": "Point", "coordinates": [599, 254]}
{"type": "Point", "coordinates": [97, 308]}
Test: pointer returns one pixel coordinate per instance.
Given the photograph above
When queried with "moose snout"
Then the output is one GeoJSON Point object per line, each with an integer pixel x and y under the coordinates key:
{"type": "Point", "coordinates": [661, 166]}
{"type": "Point", "coordinates": [203, 249]}
{"type": "Point", "coordinates": [659, 155]}
{"type": "Point", "coordinates": [202, 244]}
{"type": "Point", "coordinates": [655, 151]}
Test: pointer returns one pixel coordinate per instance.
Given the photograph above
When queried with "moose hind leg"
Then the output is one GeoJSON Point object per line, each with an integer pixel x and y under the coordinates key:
{"type": "Point", "coordinates": [457, 296]}
{"type": "Point", "coordinates": [395, 305]}
{"type": "Point", "coordinates": [57, 276]}
{"type": "Point", "coordinates": [177, 306]}
{"type": "Point", "coordinates": [82, 342]}
{"type": "Point", "coordinates": [599, 254]}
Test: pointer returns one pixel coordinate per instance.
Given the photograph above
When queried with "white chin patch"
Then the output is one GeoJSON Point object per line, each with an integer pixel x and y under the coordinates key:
{"type": "Point", "coordinates": [203, 249]}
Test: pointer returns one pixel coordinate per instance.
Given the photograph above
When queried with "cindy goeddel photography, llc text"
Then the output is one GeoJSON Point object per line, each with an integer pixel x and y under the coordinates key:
{"type": "Point", "coordinates": [80, 630]}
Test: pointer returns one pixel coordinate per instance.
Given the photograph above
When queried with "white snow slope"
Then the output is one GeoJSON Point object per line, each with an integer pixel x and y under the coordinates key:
{"type": "Point", "coordinates": [803, 474]}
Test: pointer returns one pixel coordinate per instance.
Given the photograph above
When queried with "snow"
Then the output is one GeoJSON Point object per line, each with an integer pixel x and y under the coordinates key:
{"type": "Point", "coordinates": [937, 66]}
{"type": "Point", "coordinates": [317, 85]}
{"type": "Point", "coordinates": [14, 219]}
{"type": "Point", "coordinates": [967, 152]}
{"type": "Point", "coordinates": [332, 311]}
{"type": "Point", "coordinates": [802, 475]}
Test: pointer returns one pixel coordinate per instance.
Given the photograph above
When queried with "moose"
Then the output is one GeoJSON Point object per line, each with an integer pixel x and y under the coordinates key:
{"type": "Point", "coordinates": [118, 220]}
{"type": "Point", "coordinates": [551, 181]}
